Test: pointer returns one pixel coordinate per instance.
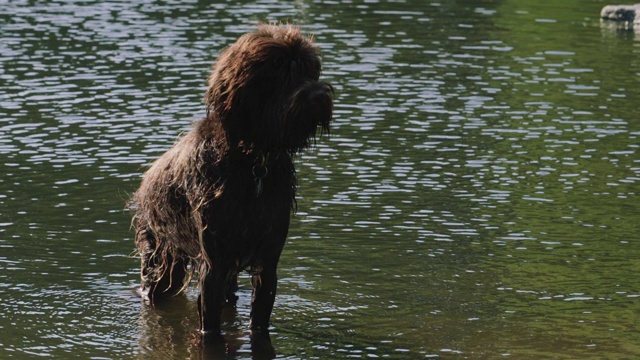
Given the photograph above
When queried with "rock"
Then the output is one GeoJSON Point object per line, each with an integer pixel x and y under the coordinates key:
{"type": "Point", "coordinates": [626, 13]}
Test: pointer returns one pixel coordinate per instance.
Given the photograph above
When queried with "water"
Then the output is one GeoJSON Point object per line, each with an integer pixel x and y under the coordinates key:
{"type": "Point", "coordinates": [478, 196]}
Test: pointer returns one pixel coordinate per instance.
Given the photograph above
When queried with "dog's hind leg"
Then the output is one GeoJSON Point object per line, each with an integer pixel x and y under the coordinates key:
{"type": "Point", "coordinates": [162, 272]}
{"type": "Point", "coordinates": [158, 283]}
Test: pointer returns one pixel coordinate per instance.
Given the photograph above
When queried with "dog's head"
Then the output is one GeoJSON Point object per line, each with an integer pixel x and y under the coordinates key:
{"type": "Point", "coordinates": [266, 93]}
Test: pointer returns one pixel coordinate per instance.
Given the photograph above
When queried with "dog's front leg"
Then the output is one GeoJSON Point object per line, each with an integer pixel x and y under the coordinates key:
{"type": "Point", "coordinates": [210, 302]}
{"type": "Point", "coordinates": [264, 284]}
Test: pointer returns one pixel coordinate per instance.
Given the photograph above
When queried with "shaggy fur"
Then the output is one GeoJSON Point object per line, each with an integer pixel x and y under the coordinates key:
{"type": "Point", "coordinates": [219, 201]}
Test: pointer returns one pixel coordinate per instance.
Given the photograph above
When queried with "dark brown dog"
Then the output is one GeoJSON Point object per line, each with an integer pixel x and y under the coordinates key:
{"type": "Point", "coordinates": [219, 200]}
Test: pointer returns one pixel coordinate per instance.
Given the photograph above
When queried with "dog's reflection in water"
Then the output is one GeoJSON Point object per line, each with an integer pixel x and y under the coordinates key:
{"type": "Point", "coordinates": [168, 331]}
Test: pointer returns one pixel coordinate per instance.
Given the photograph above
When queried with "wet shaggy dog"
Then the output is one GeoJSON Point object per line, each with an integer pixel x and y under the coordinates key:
{"type": "Point", "coordinates": [219, 201]}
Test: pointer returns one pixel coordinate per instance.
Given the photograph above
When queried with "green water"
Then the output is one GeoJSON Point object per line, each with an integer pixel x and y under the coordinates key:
{"type": "Point", "coordinates": [477, 197]}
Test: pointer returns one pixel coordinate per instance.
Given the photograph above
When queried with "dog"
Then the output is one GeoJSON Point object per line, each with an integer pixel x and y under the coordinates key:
{"type": "Point", "coordinates": [220, 200]}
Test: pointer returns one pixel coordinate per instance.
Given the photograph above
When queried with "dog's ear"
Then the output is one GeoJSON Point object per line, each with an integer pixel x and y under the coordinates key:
{"type": "Point", "coordinates": [215, 98]}
{"type": "Point", "coordinates": [223, 78]}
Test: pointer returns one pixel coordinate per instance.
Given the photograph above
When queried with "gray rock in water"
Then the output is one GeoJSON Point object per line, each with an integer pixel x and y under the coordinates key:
{"type": "Point", "coordinates": [627, 13]}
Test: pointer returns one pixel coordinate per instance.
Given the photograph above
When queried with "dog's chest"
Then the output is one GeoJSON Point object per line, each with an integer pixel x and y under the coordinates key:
{"type": "Point", "coordinates": [251, 208]}
{"type": "Point", "coordinates": [244, 226]}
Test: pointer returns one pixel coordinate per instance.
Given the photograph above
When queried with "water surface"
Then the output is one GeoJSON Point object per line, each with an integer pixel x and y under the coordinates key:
{"type": "Point", "coordinates": [477, 197]}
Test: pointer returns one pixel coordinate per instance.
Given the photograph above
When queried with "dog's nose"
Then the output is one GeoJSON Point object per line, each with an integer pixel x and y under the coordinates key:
{"type": "Point", "coordinates": [319, 89]}
{"type": "Point", "coordinates": [318, 95]}
{"type": "Point", "coordinates": [321, 92]}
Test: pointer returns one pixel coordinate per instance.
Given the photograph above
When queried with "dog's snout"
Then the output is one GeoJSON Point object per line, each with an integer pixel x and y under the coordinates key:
{"type": "Point", "coordinates": [320, 92]}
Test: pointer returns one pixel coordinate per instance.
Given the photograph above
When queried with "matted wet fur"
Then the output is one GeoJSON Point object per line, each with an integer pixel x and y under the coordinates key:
{"type": "Point", "coordinates": [219, 201]}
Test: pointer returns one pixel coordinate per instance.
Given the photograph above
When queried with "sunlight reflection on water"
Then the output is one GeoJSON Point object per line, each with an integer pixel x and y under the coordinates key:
{"type": "Point", "coordinates": [478, 187]}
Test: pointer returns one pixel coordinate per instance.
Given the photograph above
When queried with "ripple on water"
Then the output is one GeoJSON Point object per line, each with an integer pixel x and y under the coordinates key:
{"type": "Point", "coordinates": [480, 175]}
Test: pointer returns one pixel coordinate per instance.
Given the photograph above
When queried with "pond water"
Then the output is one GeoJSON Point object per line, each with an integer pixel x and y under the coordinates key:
{"type": "Point", "coordinates": [477, 197]}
